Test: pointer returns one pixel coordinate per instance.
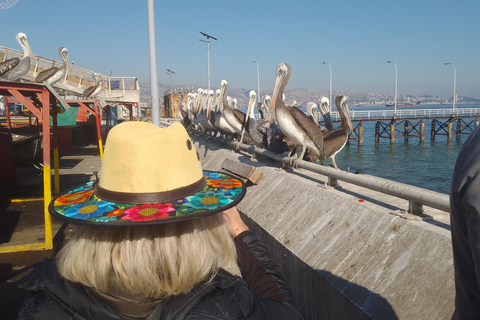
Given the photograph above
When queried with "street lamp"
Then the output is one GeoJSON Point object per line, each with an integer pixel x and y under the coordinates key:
{"type": "Point", "coordinates": [258, 78]}
{"type": "Point", "coordinates": [330, 67]}
{"type": "Point", "coordinates": [153, 64]}
{"type": "Point", "coordinates": [169, 71]}
{"type": "Point", "coordinates": [454, 86]}
{"type": "Point", "coordinates": [208, 54]}
{"type": "Point", "coordinates": [396, 76]}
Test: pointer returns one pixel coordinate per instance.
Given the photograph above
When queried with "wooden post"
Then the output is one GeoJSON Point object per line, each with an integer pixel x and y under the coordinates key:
{"type": "Point", "coordinates": [405, 131]}
{"type": "Point", "coordinates": [377, 132]}
{"type": "Point", "coordinates": [360, 134]}
{"type": "Point", "coordinates": [392, 132]}
{"type": "Point", "coordinates": [449, 131]}
{"type": "Point", "coordinates": [432, 133]}
{"type": "Point", "coordinates": [476, 122]}
{"type": "Point", "coordinates": [422, 131]}
{"type": "Point", "coordinates": [459, 128]}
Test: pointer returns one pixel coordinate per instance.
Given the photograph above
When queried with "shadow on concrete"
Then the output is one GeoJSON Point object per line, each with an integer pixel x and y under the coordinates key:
{"type": "Point", "coordinates": [321, 294]}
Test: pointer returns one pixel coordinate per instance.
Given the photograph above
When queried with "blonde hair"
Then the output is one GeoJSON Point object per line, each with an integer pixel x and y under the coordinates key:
{"type": "Point", "coordinates": [156, 261]}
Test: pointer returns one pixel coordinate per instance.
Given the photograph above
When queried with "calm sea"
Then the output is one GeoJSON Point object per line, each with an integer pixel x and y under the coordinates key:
{"type": "Point", "coordinates": [427, 165]}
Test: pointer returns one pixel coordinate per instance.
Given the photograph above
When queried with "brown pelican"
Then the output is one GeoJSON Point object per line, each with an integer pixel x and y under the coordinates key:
{"type": "Point", "coordinates": [335, 140]}
{"type": "Point", "coordinates": [15, 68]}
{"type": "Point", "coordinates": [251, 124]}
{"type": "Point", "coordinates": [55, 74]}
{"type": "Point", "coordinates": [94, 90]}
{"type": "Point", "coordinates": [234, 117]}
{"type": "Point", "coordinates": [324, 107]}
{"type": "Point", "coordinates": [312, 111]}
{"type": "Point", "coordinates": [220, 122]}
{"type": "Point", "coordinates": [293, 123]}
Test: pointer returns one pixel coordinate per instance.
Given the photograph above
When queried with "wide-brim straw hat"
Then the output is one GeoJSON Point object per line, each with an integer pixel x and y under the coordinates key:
{"type": "Point", "coordinates": [148, 175]}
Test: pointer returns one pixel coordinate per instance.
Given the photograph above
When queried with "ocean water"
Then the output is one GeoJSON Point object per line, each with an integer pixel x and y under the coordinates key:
{"type": "Point", "coordinates": [427, 165]}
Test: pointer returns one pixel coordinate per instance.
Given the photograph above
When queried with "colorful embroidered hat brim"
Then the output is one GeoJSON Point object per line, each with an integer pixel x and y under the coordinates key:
{"type": "Point", "coordinates": [81, 206]}
{"type": "Point", "coordinates": [149, 175]}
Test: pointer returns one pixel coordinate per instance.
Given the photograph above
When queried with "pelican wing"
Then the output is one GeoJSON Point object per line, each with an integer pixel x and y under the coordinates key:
{"type": "Point", "coordinates": [308, 126]}
{"type": "Point", "coordinates": [8, 65]}
{"type": "Point", "coordinates": [334, 141]}
{"type": "Point", "coordinates": [45, 74]}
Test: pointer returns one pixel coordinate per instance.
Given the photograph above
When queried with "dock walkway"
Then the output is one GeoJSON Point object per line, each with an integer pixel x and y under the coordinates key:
{"type": "Point", "coordinates": [359, 250]}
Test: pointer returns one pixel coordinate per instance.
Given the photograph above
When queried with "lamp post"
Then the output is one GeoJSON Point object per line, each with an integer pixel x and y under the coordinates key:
{"type": "Point", "coordinates": [208, 54]}
{"type": "Point", "coordinates": [258, 79]}
{"type": "Point", "coordinates": [330, 67]}
{"type": "Point", "coordinates": [454, 86]}
{"type": "Point", "coordinates": [396, 76]}
{"type": "Point", "coordinates": [169, 71]}
{"type": "Point", "coordinates": [153, 64]}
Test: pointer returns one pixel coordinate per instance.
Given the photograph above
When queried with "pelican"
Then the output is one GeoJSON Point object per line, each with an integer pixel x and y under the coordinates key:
{"type": "Point", "coordinates": [324, 107]}
{"type": "Point", "coordinates": [220, 121]}
{"type": "Point", "coordinates": [293, 123]}
{"type": "Point", "coordinates": [335, 140]}
{"type": "Point", "coordinates": [312, 111]}
{"type": "Point", "coordinates": [234, 117]}
{"type": "Point", "coordinates": [93, 91]}
{"type": "Point", "coordinates": [251, 124]}
{"type": "Point", "coordinates": [15, 68]}
{"type": "Point", "coordinates": [55, 74]}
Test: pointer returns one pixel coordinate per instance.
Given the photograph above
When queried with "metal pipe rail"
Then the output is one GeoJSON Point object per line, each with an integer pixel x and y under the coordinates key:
{"type": "Point", "coordinates": [75, 75]}
{"type": "Point", "coordinates": [417, 197]}
{"type": "Point", "coordinates": [408, 114]}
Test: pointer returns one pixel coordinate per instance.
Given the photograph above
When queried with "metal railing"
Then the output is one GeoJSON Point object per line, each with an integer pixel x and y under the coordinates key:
{"type": "Point", "coordinates": [76, 76]}
{"type": "Point", "coordinates": [416, 197]}
{"type": "Point", "coordinates": [373, 115]}
{"type": "Point", "coordinates": [409, 114]}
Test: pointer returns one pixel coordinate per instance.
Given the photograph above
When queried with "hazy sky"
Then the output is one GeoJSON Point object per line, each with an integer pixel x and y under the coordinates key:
{"type": "Point", "coordinates": [355, 37]}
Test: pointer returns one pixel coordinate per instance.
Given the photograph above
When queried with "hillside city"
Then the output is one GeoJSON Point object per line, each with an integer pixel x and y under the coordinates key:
{"type": "Point", "coordinates": [303, 96]}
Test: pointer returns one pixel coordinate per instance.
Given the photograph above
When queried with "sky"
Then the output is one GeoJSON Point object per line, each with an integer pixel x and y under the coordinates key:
{"type": "Point", "coordinates": [355, 37]}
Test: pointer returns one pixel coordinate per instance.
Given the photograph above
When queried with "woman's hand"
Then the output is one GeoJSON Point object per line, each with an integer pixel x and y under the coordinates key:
{"type": "Point", "coordinates": [234, 222]}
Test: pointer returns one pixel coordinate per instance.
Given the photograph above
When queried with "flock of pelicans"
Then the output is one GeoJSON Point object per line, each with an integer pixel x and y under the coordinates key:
{"type": "Point", "coordinates": [281, 127]}
{"type": "Point", "coordinates": [14, 69]}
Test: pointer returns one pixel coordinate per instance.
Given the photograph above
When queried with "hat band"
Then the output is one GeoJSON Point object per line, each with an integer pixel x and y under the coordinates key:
{"type": "Point", "coordinates": [149, 197]}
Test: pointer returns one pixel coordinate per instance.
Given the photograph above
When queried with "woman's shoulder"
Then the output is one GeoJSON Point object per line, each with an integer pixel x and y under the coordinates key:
{"type": "Point", "coordinates": [229, 298]}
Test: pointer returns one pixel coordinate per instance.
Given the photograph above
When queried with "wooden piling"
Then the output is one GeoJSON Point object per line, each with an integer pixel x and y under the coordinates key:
{"type": "Point", "coordinates": [405, 131]}
{"type": "Point", "coordinates": [432, 137]}
{"type": "Point", "coordinates": [422, 131]}
{"type": "Point", "coordinates": [449, 131]}
{"type": "Point", "coordinates": [360, 134]}
{"type": "Point", "coordinates": [392, 132]}
{"type": "Point", "coordinates": [377, 132]}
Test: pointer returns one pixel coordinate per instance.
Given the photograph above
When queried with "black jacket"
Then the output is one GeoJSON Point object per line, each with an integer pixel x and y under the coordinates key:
{"type": "Point", "coordinates": [226, 297]}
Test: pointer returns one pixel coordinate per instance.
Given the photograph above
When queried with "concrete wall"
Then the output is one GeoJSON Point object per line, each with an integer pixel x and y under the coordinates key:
{"type": "Point", "coordinates": [343, 258]}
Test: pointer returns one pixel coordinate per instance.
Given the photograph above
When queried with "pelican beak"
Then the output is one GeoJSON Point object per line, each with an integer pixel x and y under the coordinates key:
{"type": "Point", "coordinates": [274, 97]}
{"type": "Point", "coordinates": [30, 51]}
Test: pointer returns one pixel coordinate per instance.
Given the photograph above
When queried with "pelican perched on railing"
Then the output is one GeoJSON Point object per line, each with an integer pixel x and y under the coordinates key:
{"type": "Point", "coordinates": [293, 123]}
{"type": "Point", "coordinates": [335, 140]}
{"type": "Point", "coordinates": [324, 107]}
{"type": "Point", "coordinates": [15, 68]}
{"type": "Point", "coordinates": [220, 122]}
{"type": "Point", "coordinates": [55, 74]}
{"type": "Point", "coordinates": [234, 117]}
{"type": "Point", "coordinates": [251, 124]}
{"type": "Point", "coordinates": [93, 91]}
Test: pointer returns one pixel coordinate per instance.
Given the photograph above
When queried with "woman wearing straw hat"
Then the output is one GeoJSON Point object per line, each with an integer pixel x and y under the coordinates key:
{"type": "Point", "coordinates": [156, 237]}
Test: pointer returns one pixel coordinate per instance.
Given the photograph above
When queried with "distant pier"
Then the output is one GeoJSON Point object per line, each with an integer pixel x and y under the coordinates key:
{"type": "Point", "coordinates": [408, 124]}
